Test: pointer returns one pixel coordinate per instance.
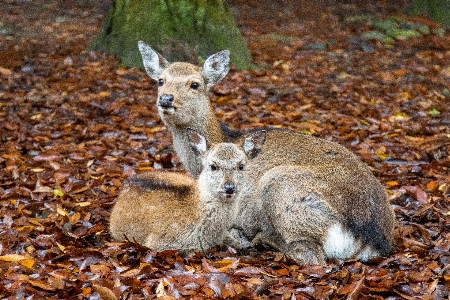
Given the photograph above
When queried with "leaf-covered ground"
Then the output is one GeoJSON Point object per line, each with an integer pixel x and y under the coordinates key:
{"type": "Point", "coordinates": [75, 125]}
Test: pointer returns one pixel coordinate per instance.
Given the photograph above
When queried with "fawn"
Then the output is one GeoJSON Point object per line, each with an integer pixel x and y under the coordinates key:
{"type": "Point", "coordinates": [311, 198]}
{"type": "Point", "coordinates": [167, 210]}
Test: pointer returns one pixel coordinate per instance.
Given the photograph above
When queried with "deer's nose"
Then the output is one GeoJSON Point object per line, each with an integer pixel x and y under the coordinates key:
{"type": "Point", "coordinates": [229, 188]}
{"type": "Point", "coordinates": [166, 100]}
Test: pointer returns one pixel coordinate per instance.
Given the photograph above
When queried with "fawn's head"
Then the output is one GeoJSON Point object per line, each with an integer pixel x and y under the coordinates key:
{"type": "Point", "coordinates": [183, 87]}
{"type": "Point", "coordinates": [224, 164]}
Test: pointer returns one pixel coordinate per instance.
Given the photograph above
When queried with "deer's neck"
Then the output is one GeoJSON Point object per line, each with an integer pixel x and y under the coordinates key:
{"type": "Point", "coordinates": [209, 127]}
{"type": "Point", "coordinates": [216, 219]}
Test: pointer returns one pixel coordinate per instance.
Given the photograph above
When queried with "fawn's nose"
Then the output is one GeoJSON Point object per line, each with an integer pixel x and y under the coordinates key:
{"type": "Point", "coordinates": [229, 188]}
{"type": "Point", "coordinates": [166, 100]}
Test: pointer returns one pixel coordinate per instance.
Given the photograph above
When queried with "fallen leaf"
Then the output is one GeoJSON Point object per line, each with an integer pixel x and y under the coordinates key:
{"type": "Point", "coordinates": [12, 257]}
{"type": "Point", "coordinates": [28, 262]}
{"type": "Point", "coordinates": [207, 267]}
{"type": "Point", "coordinates": [104, 292]}
{"type": "Point", "coordinates": [418, 192]}
{"type": "Point", "coordinates": [160, 290]}
{"type": "Point", "coordinates": [5, 71]}
{"type": "Point", "coordinates": [42, 285]}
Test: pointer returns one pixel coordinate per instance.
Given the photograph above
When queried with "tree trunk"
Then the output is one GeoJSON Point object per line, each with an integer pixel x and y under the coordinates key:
{"type": "Point", "coordinates": [181, 30]}
{"type": "Point", "coordinates": [438, 10]}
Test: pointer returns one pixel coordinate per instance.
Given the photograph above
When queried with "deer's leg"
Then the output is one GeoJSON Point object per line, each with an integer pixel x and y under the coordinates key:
{"type": "Point", "coordinates": [298, 214]}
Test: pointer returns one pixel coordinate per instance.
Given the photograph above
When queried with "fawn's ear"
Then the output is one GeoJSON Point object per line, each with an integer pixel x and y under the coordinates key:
{"type": "Point", "coordinates": [253, 144]}
{"type": "Point", "coordinates": [154, 63]}
{"type": "Point", "coordinates": [216, 68]}
{"type": "Point", "coordinates": [197, 141]}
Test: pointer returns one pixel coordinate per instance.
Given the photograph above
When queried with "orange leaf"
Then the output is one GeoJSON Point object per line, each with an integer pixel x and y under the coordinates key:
{"type": "Point", "coordinates": [282, 272]}
{"type": "Point", "coordinates": [29, 263]}
{"type": "Point", "coordinates": [12, 257]}
{"type": "Point", "coordinates": [391, 183]}
{"type": "Point", "coordinates": [25, 229]}
{"type": "Point", "coordinates": [432, 185]}
{"type": "Point", "coordinates": [100, 269]}
{"type": "Point", "coordinates": [227, 264]}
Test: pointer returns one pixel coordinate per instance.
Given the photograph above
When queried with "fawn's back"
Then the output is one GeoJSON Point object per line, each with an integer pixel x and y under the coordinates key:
{"type": "Point", "coordinates": [155, 204]}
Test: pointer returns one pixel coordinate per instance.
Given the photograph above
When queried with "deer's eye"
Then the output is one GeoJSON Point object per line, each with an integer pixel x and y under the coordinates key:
{"type": "Point", "coordinates": [160, 82]}
{"type": "Point", "coordinates": [241, 167]}
{"type": "Point", "coordinates": [213, 168]}
{"type": "Point", "coordinates": [195, 85]}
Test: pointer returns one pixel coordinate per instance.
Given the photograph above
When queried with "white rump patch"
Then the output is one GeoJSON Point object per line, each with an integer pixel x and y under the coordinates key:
{"type": "Point", "coordinates": [340, 243]}
{"type": "Point", "coordinates": [151, 241]}
{"type": "Point", "coordinates": [367, 253]}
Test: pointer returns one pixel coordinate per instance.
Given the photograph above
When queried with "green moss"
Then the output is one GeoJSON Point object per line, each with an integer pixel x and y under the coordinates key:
{"type": "Point", "coordinates": [359, 18]}
{"type": "Point", "coordinates": [373, 35]}
{"type": "Point", "coordinates": [385, 25]}
{"type": "Point", "coordinates": [402, 34]}
{"type": "Point", "coordinates": [434, 112]}
{"type": "Point", "coordinates": [439, 32]}
{"type": "Point", "coordinates": [437, 10]}
{"type": "Point", "coordinates": [446, 93]}
{"type": "Point", "coordinates": [180, 30]}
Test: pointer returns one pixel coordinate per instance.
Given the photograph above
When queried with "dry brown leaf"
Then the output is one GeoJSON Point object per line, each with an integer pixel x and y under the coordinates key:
{"type": "Point", "coordinates": [42, 285]}
{"type": "Point", "coordinates": [104, 292]}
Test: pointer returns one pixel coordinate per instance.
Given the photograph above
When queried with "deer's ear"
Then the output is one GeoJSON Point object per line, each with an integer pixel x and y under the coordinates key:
{"type": "Point", "coordinates": [197, 142]}
{"type": "Point", "coordinates": [253, 144]}
{"type": "Point", "coordinates": [154, 63]}
{"type": "Point", "coordinates": [216, 68]}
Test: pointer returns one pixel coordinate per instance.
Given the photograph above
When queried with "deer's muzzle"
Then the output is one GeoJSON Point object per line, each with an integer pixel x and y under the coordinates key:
{"type": "Point", "coordinates": [229, 189]}
{"type": "Point", "coordinates": [166, 101]}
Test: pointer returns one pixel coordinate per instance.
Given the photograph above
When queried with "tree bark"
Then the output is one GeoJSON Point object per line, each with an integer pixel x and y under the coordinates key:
{"type": "Point", "coordinates": [181, 30]}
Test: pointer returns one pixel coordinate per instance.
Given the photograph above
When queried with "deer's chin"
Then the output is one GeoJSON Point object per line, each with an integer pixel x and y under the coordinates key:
{"type": "Point", "coordinates": [227, 197]}
{"type": "Point", "coordinates": [166, 110]}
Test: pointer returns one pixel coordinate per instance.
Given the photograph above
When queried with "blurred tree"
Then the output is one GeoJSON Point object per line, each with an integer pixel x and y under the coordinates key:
{"type": "Point", "coordinates": [181, 30]}
{"type": "Point", "coordinates": [438, 10]}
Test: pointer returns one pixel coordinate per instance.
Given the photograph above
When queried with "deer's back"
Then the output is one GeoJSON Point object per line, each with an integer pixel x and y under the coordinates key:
{"type": "Point", "coordinates": [155, 203]}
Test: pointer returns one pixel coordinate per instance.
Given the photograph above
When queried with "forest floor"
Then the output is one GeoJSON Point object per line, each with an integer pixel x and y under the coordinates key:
{"type": "Point", "coordinates": [75, 125]}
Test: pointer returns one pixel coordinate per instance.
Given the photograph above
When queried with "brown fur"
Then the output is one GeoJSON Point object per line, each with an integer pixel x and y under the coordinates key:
{"type": "Point", "coordinates": [164, 210]}
{"type": "Point", "coordinates": [142, 209]}
{"type": "Point", "coordinates": [307, 193]}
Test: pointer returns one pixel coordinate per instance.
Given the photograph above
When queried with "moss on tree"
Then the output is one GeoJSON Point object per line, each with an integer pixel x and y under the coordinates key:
{"type": "Point", "coordinates": [437, 10]}
{"type": "Point", "coordinates": [181, 30]}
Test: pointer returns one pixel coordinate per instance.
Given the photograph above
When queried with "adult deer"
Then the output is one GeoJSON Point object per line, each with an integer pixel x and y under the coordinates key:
{"type": "Point", "coordinates": [311, 198]}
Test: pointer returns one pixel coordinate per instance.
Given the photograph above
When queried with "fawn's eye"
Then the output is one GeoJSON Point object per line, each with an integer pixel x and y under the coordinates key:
{"type": "Point", "coordinates": [241, 167]}
{"type": "Point", "coordinates": [195, 85]}
{"type": "Point", "coordinates": [160, 82]}
{"type": "Point", "coordinates": [213, 168]}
